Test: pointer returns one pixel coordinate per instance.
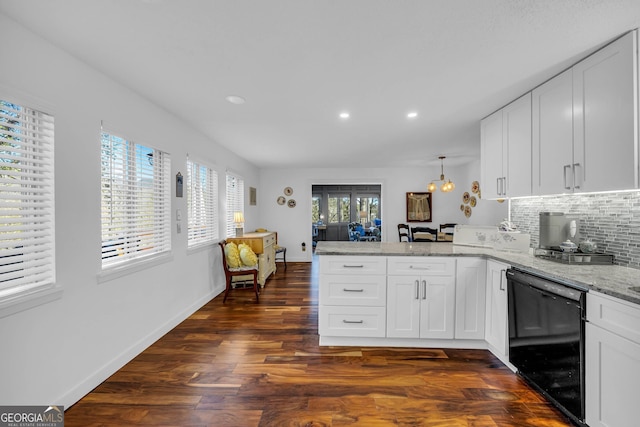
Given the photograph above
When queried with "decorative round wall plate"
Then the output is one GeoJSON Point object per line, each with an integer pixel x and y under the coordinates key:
{"type": "Point", "coordinates": [473, 201]}
{"type": "Point", "coordinates": [467, 211]}
{"type": "Point", "coordinates": [288, 191]}
{"type": "Point", "coordinates": [475, 187]}
{"type": "Point", "coordinates": [291, 203]}
{"type": "Point", "coordinates": [465, 197]}
{"type": "Point", "coordinates": [281, 200]}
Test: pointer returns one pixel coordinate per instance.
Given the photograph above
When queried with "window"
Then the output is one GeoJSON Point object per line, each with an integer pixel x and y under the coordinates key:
{"type": "Point", "coordinates": [368, 208]}
{"type": "Point", "coordinates": [316, 208]}
{"type": "Point", "coordinates": [235, 201]}
{"type": "Point", "coordinates": [202, 204]}
{"type": "Point", "coordinates": [27, 261]}
{"type": "Point", "coordinates": [136, 202]}
{"type": "Point", "coordinates": [339, 208]}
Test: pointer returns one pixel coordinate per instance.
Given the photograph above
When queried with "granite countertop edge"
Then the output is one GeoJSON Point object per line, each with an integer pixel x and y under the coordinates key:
{"type": "Point", "coordinates": [613, 280]}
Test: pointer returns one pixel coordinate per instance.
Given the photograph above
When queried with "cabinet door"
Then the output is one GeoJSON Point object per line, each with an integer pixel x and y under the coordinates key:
{"type": "Point", "coordinates": [496, 315]}
{"type": "Point", "coordinates": [437, 306]}
{"type": "Point", "coordinates": [471, 277]}
{"type": "Point", "coordinates": [516, 124]}
{"type": "Point", "coordinates": [491, 156]}
{"type": "Point", "coordinates": [612, 376]}
{"type": "Point", "coordinates": [603, 105]}
{"type": "Point", "coordinates": [553, 135]}
{"type": "Point", "coordinates": [403, 306]}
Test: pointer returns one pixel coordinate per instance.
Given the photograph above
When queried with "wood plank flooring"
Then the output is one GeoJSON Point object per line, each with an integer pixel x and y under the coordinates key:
{"type": "Point", "coordinates": [246, 364]}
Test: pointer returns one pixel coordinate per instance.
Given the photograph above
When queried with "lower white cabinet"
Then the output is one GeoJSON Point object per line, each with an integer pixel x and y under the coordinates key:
{"type": "Point", "coordinates": [496, 306]}
{"type": "Point", "coordinates": [421, 297]}
{"type": "Point", "coordinates": [471, 277]}
{"type": "Point", "coordinates": [612, 356]}
{"type": "Point", "coordinates": [353, 296]}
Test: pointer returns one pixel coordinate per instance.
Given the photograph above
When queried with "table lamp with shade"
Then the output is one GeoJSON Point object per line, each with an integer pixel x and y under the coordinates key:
{"type": "Point", "coordinates": [238, 218]}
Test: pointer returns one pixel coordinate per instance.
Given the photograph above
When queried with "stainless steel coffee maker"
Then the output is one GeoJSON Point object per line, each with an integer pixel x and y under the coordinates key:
{"type": "Point", "coordinates": [556, 227]}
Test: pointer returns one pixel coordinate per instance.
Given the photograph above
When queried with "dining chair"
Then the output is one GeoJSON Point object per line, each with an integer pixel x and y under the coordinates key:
{"type": "Point", "coordinates": [447, 230]}
{"type": "Point", "coordinates": [403, 232]}
{"type": "Point", "coordinates": [231, 272]}
{"type": "Point", "coordinates": [424, 234]}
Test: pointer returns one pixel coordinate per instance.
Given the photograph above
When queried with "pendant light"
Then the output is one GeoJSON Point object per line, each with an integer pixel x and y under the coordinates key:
{"type": "Point", "coordinates": [447, 185]}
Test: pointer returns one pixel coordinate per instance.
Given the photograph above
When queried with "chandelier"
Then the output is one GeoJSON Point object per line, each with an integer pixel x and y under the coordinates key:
{"type": "Point", "coordinates": [446, 186]}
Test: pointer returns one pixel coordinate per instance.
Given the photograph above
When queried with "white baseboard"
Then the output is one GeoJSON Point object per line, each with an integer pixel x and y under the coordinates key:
{"type": "Point", "coordinates": [80, 390]}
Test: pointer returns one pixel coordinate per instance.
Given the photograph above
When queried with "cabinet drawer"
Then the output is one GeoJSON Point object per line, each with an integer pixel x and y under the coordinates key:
{"type": "Point", "coordinates": [344, 321]}
{"type": "Point", "coordinates": [617, 316]}
{"type": "Point", "coordinates": [356, 265]}
{"type": "Point", "coordinates": [423, 266]}
{"type": "Point", "coordinates": [361, 290]}
{"type": "Point", "coordinates": [269, 240]}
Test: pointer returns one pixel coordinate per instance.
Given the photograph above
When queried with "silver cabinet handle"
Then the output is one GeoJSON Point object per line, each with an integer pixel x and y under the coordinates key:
{"type": "Point", "coordinates": [501, 276]}
{"type": "Point", "coordinates": [352, 321]}
{"type": "Point", "coordinates": [575, 165]}
{"type": "Point", "coordinates": [566, 187]}
{"type": "Point", "coordinates": [504, 185]}
{"type": "Point", "coordinates": [417, 289]}
{"type": "Point", "coordinates": [352, 290]}
{"type": "Point", "coordinates": [498, 186]}
{"type": "Point", "coordinates": [426, 267]}
{"type": "Point", "coordinates": [424, 289]}
{"type": "Point", "coordinates": [352, 266]}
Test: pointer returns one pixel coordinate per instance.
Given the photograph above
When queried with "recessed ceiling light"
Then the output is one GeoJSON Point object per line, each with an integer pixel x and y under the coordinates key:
{"type": "Point", "coordinates": [412, 115]}
{"type": "Point", "coordinates": [344, 115]}
{"type": "Point", "coordinates": [235, 99]}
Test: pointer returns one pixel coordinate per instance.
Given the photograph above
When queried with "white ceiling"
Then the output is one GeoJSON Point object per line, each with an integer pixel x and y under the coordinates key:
{"type": "Point", "coordinates": [299, 63]}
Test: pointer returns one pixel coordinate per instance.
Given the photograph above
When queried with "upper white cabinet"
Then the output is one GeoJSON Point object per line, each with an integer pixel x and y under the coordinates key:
{"type": "Point", "coordinates": [584, 123]}
{"type": "Point", "coordinates": [506, 151]}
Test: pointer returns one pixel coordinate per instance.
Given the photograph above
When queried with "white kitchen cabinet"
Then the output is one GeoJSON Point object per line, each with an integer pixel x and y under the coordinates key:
{"type": "Point", "coordinates": [506, 151]}
{"type": "Point", "coordinates": [553, 135]}
{"type": "Point", "coordinates": [584, 124]}
{"type": "Point", "coordinates": [612, 357]}
{"type": "Point", "coordinates": [604, 118]}
{"type": "Point", "coordinates": [353, 296]}
{"type": "Point", "coordinates": [471, 277]}
{"type": "Point", "coordinates": [421, 297]}
{"type": "Point", "coordinates": [496, 319]}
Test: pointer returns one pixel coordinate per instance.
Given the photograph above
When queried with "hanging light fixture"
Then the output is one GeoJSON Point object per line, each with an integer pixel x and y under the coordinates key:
{"type": "Point", "coordinates": [447, 185]}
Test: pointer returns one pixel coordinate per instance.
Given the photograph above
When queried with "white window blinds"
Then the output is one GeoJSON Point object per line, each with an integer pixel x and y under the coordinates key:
{"type": "Point", "coordinates": [202, 204]}
{"type": "Point", "coordinates": [27, 263]}
{"type": "Point", "coordinates": [235, 201]}
{"type": "Point", "coordinates": [136, 201]}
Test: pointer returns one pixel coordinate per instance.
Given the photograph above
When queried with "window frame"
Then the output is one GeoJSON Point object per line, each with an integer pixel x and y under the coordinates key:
{"type": "Point", "coordinates": [235, 201]}
{"type": "Point", "coordinates": [29, 131]}
{"type": "Point", "coordinates": [207, 207]}
{"type": "Point", "coordinates": [133, 233]}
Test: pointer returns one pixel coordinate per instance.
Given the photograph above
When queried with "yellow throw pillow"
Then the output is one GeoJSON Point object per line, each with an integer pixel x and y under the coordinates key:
{"type": "Point", "coordinates": [232, 254]}
{"type": "Point", "coordinates": [247, 255]}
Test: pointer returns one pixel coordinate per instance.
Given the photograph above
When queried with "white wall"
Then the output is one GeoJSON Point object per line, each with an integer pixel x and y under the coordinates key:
{"type": "Point", "coordinates": [57, 352]}
{"type": "Point", "coordinates": [294, 224]}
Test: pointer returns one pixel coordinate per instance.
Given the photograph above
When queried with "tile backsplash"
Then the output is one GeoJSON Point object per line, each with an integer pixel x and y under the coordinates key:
{"type": "Point", "coordinates": [612, 220]}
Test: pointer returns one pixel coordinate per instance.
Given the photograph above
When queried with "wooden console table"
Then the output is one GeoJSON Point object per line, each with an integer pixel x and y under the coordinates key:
{"type": "Point", "coordinates": [263, 245]}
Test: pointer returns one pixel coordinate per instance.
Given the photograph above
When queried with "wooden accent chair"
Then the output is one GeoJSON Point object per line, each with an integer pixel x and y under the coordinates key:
{"type": "Point", "coordinates": [424, 234]}
{"type": "Point", "coordinates": [403, 232]}
{"type": "Point", "coordinates": [230, 272]}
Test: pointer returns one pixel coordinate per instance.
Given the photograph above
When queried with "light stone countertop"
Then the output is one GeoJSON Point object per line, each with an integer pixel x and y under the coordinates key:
{"type": "Point", "coordinates": [612, 280]}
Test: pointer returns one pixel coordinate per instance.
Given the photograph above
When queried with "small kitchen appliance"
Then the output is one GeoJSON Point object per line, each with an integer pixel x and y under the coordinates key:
{"type": "Point", "coordinates": [557, 228]}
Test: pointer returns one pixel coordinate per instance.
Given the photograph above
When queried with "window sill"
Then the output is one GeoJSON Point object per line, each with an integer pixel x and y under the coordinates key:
{"type": "Point", "coordinates": [202, 246]}
{"type": "Point", "coordinates": [24, 302]}
{"type": "Point", "coordinates": [118, 271]}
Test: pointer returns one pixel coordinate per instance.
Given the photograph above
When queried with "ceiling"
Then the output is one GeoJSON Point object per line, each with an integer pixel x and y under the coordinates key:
{"type": "Point", "coordinates": [299, 63]}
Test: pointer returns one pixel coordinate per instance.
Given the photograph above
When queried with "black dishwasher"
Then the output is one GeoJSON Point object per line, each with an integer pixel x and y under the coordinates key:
{"type": "Point", "coordinates": [546, 338]}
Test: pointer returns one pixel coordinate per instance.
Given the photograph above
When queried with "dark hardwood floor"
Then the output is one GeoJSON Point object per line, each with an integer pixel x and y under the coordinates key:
{"type": "Point", "coordinates": [247, 364]}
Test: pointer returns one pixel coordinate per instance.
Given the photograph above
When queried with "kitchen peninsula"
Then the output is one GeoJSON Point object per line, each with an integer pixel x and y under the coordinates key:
{"type": "Point", "coordinates": [451, 296]}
